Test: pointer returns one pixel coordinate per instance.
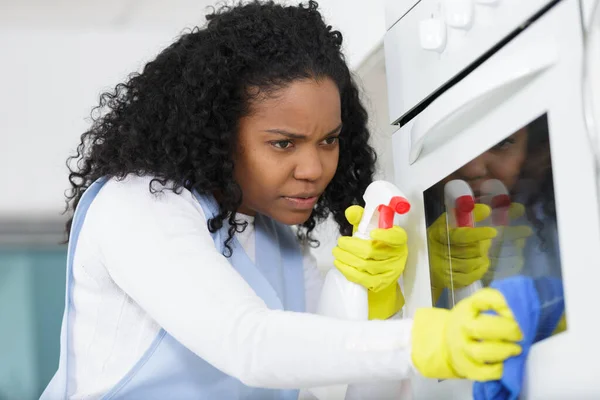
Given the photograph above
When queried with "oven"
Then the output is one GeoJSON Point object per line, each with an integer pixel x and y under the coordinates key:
{"type": "Point", "coordinates": [492, 99]}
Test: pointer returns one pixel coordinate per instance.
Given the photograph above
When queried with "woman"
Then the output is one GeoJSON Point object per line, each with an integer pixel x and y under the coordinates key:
{"type": "Point", "coordinates": [184, 280]}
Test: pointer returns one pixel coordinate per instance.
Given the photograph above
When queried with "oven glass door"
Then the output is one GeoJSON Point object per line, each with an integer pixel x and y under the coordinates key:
{"type": "Point", "coordinates": [501, 174]}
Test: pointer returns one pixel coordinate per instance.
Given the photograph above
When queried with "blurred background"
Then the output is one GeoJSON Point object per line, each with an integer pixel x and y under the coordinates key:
{"type": "Point", "coordinates": [57, 56]}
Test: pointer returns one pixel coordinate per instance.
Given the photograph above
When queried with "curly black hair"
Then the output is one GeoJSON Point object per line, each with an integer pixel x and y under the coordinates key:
{"type": "Point", "coordinates": [538, 175]}
{"type": "Point", "coordinates": [178, 119]}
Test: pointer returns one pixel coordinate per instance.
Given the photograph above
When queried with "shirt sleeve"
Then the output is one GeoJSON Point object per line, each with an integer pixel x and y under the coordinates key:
{"type": "Point", "coordinates": [158, 250]}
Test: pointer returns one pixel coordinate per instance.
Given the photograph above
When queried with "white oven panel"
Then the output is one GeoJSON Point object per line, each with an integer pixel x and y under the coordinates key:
{"type": "Point", "coordinates": [538, 73]}
{"type": "Point", "coordinates": [437, 39]}
{"type": "Point", "coordinates": [396, 9]}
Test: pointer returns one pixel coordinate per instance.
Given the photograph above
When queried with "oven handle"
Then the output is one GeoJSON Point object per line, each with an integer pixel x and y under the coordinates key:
{"type": "Point", "coordinates": [485, 81]}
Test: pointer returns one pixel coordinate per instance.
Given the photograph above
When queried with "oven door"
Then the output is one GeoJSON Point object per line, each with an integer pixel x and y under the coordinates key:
{"type": "Point", "coordinates": [513, 128]}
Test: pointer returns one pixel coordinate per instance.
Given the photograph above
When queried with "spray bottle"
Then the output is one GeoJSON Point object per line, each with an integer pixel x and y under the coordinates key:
{"type": "Point", "coordinates": [460, 202]}
{"type": "Point", "coordinates": [343, 299]}
{"type": "Point", "coordinates": [495, 194]}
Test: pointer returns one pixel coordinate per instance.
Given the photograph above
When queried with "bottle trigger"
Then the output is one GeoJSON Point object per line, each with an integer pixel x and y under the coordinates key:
{"type": "Point", "coordinates": [386, 216]}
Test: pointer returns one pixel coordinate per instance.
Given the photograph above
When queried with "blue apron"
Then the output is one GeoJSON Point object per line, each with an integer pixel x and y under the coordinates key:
{"type": "Point", "coordinates": [168, 370]}
{"type": "Point", "coordinates": [541, 254]}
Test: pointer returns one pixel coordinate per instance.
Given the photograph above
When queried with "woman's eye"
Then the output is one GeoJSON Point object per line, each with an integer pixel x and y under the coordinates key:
{"type": "Point", "coordinates": [331, 140]}
{"type": "Point", "coordinates": [503, 145]}
{"type": "Point", "coordinates": [282, 144]}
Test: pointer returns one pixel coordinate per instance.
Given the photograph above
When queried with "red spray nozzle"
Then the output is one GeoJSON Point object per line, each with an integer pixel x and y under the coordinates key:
{"type": "Point", "coordinates": [398, 205]}
{"type": "Point", "coordinates": [501, 200]}
{"type": "Point", "coordinates": [464, 209]}
{"type": "Point", "coordinates": [465, 204]}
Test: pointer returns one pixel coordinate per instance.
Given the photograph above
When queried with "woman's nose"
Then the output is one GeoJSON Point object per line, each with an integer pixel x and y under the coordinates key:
{"type": "Point", "coordinates": [309, 166]}
{"type": "Point", "coordinates": [475, 169]}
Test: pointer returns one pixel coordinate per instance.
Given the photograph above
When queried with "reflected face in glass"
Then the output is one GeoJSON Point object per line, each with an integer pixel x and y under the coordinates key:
{"type": "Point", "coordinates": [503, 161]}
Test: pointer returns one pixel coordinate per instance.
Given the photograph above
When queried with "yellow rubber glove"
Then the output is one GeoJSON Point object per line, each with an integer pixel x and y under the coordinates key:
{"type": "Point", "coordinates": [374, 264]}
{"type": "Point", "coordinates": [464, 342]}
{"type": "Point", "coordinates": [459, 256]}
{"type": "Point", "coordinates": [562, 325]}
{"type": "Point", "coordinates": [506, 251]}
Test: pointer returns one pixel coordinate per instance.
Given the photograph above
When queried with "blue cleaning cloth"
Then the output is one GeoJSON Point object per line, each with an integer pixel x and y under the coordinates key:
{"type": "Point", "coordinates": [537, 306]}
{"type": "Point", "coordinates": [552, 305]}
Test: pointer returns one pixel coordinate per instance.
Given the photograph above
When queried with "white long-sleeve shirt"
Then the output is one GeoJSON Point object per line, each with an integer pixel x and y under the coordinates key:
{"type": "Point", "coordinates": [146, 261]}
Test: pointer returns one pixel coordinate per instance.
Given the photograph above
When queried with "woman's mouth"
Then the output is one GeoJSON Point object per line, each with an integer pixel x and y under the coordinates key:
{"type": "Point", "coordinates": [302, 202]}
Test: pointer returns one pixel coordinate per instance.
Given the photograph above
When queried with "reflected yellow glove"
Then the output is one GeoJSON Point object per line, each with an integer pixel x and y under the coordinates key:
{"type": "Point", "coordinates": [459, 256]}
{"type": "Point", "coordinates": [506, 251]}
{"type": "Point", "coordinates": [374, 264]}
{"type": "Point", "coordinates": [464, 342]}
{"type": "Point", "coordinates": [562, 325]}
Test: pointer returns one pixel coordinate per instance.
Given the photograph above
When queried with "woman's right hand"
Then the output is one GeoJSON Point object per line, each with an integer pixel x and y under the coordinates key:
{"type": "Point", "coordinates": [465, 342]}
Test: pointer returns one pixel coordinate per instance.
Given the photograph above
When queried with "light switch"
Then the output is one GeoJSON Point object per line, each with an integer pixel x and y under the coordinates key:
{"type": "Point", "coordinates": [459, 13]}
{"type": "Point", "coordinates": [432, 34]}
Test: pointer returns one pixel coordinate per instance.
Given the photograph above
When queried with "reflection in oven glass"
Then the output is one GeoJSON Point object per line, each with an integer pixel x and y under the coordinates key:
{"type": "Point", "coordinates": [495, 218]}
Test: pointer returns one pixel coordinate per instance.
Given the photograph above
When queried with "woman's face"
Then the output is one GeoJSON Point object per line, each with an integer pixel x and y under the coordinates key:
{"type": "Point", "coordinates": [504, 162]}
{"type": "Point", "coordinates": [288, 150]}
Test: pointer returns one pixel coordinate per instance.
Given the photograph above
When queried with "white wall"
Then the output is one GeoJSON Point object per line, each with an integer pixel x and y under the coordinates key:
{"type": "Point", "coordinates": [361, 22]}
{"type": "Point", "coordinates": [49, 81]}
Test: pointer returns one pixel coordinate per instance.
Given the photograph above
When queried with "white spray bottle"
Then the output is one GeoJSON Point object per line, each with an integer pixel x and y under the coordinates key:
{"type": "Point", "coordinates": [496, 195]}
{"type": "Point", "coordinates": [460, 202]}
{"type": "Point", "coordinates": [343, 299]}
